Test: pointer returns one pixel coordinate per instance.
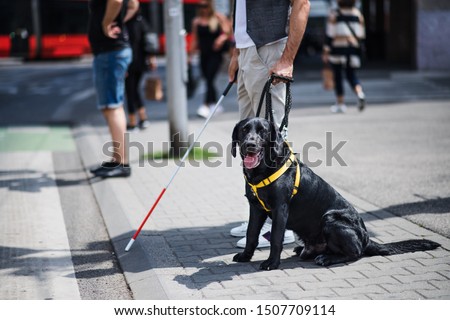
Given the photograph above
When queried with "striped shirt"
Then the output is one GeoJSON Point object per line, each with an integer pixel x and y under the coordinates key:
{"type": "Point", "coordinates": [340, 42]}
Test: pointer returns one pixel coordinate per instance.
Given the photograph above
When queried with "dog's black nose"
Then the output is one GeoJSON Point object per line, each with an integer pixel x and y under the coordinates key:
{"type": "Point", "coordinates": [250, 145]}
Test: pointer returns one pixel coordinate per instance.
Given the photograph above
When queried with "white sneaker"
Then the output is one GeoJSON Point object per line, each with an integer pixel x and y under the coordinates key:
{"type": "Point", "coordinates": [338, 108]}
{"type": "Point", "coordinates": [203, 111]}
{"type": "Point", "coordinates": [239, 231]}
{"type": "Point", "coordinates": [264, 238]}
{"type": "Point", "coordinates": [218, 110]}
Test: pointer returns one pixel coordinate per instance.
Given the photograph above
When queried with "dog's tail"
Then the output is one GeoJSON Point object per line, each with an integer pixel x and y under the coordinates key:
{"type": "Point", "coordinates": [387, 249]}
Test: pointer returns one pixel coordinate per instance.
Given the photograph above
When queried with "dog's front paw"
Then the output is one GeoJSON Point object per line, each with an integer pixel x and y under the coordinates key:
{"type": "Point", "coordinates": [298, 250]}
{"type": "Point", "coordinates": [323, 260]}
{"type": "Point", "coordinates": [270, 264]}
{"type": "Point", "coordinates": [242, 257]}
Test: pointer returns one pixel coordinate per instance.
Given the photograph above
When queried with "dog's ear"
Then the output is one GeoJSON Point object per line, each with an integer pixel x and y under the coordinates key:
{"type": "Point", "coordinates": [234, 139]}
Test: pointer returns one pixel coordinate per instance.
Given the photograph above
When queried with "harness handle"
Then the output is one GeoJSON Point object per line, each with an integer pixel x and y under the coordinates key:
{"type": "Point", "coordinates": [268, 96]}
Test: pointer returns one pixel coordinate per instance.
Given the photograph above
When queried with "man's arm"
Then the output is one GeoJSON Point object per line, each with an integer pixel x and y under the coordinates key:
{"type": "Point", "coordinates": [234, 65]}
{"type": "Point", "coordinates": [297, 25]}
{"type": "Point", "coordinates": [110, 29]}
{"type": "Point", "coordinates": [194, 42]}
{"type": "Point", "coordinates": [132, 8]}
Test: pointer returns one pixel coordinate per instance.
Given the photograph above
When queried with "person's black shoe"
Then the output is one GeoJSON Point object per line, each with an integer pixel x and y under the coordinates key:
{"type": "Point", "coordinates": [105, 164]}
{"type": "Point", "coordinates": [144, 124]}
{"type": "Point", "coordinates": [131, 128]}
{"type": "Point", "coordinates": [121, 170]}
{"type": "Point", "coordinates": [361, 101]}
{"type": "Point", "coordinates": [361, 104]}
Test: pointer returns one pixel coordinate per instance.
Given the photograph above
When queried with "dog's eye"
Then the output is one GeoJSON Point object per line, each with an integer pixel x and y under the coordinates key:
{"type": "Point", "coordinates": [261, 128]}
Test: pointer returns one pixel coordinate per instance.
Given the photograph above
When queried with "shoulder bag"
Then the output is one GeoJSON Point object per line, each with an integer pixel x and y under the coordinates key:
{"type": "Point", "coordinates": [360, 49]}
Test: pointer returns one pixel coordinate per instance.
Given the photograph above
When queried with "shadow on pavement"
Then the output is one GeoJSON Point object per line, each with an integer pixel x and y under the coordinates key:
{"type": "Point", "coordinates": [20, 261]}
{"type": "Point", "coordinates": [210, 250]}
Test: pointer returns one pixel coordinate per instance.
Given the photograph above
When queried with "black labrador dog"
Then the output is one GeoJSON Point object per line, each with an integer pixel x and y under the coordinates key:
{"type": "Point", "coordinates": [329, 226]}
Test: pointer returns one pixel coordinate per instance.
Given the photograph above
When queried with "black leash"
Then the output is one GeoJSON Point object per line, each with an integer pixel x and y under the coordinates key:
{"type": "Point", "coordinates": [268, 96]}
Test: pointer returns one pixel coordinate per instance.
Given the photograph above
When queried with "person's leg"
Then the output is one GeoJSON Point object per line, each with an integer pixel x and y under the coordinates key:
{"type": "Point", "coordinates": [352, 79]}
{"type": "Point", "coordinates": [214, 63]}
{"type": "Point", "coordinates": [132, 120]}
{"type": "Point", "coordinates": [210, 88]}
{"type": "Point", "coordinates": [243, 97]}
{"type": "Point", "coordinates": [203, 110]}
{"type": "Point", "coordinates": [117, 125]}
{"type": "Point", "coordinates": [114, 112]}
{"type": "Point", "coordinates": [356, 85]}
{"type": "Point", "coordinates": [109, 74]}
{"type": "Point", "coordinates": [137, 89]}
{"type": "Point", "coordinates": [266, 56]}
{"type": "Point", "coordinates": [246, 110]}
{"type": "Point", "coordinates": [338, 85]}
{"type": "Point", "coordinates": [252, 76]}
{"type": "Point", "coordinates": [204, 58]}
{"type": "Point", "coordinates": [338, 88]}
{"type": "Point", "coordinates": [141, 111]}
{"type": "Point", "coordinates": [254, 65]}
{"type": "Point", "coordinates": [131, 90]}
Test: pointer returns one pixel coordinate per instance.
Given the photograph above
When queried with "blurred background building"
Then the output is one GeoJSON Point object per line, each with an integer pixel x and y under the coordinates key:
{"type": "Point", "coordinates": [410, 33]}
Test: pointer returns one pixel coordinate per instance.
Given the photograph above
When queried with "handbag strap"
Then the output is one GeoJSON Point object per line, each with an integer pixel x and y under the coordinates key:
{"type": "Point", "coordinates": [349, 27]}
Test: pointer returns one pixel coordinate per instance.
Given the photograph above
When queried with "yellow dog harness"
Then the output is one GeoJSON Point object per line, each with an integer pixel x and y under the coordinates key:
{"type": "Point", "coordinates": [275, 176]}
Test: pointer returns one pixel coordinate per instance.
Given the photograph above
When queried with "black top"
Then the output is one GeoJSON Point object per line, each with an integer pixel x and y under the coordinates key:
{"type": "Point", "coordinates": [206, 38]}
{"type": "Point", "coordinates": [137, 28]}
{"type": "Point", "coordinates": [98, 40]}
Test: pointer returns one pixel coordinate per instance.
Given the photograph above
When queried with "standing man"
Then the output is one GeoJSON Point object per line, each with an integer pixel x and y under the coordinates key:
{"type": "Point", "coordinates": [112, 55]}
{"type": "Point", "coordinates": [268, 34]}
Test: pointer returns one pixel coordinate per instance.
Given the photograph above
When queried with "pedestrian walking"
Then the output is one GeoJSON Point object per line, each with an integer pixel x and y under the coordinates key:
{"type": "Point", "coordinates": [109, 42]}
{"type": "Point", "coordinates": [211, 32]}
{"type": "Point", "coordinates": [342, 50]}
{"type": "Point", "coordinates": [262, 50]}
{"type": "Point", "coordinates": [142, 61]}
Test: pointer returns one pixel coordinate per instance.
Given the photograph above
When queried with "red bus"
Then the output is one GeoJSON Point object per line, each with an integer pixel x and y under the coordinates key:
{"type": "Point", "coordinates": [63, 26]}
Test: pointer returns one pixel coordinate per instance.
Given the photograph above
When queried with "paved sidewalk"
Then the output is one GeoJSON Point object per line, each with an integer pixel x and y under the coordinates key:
{"type": "Point", "coordinates": [35, 259]}
{"type": "Point", "coordinates": [397, 156]}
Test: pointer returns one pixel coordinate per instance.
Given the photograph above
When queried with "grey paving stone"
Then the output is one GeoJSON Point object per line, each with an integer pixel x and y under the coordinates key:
{"type": "Point", "coordinates": [195, 219]}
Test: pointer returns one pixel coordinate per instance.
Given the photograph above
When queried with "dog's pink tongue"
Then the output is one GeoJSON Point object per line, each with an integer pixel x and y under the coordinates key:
{"type": "Point", "coordinates": [250, 162]}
